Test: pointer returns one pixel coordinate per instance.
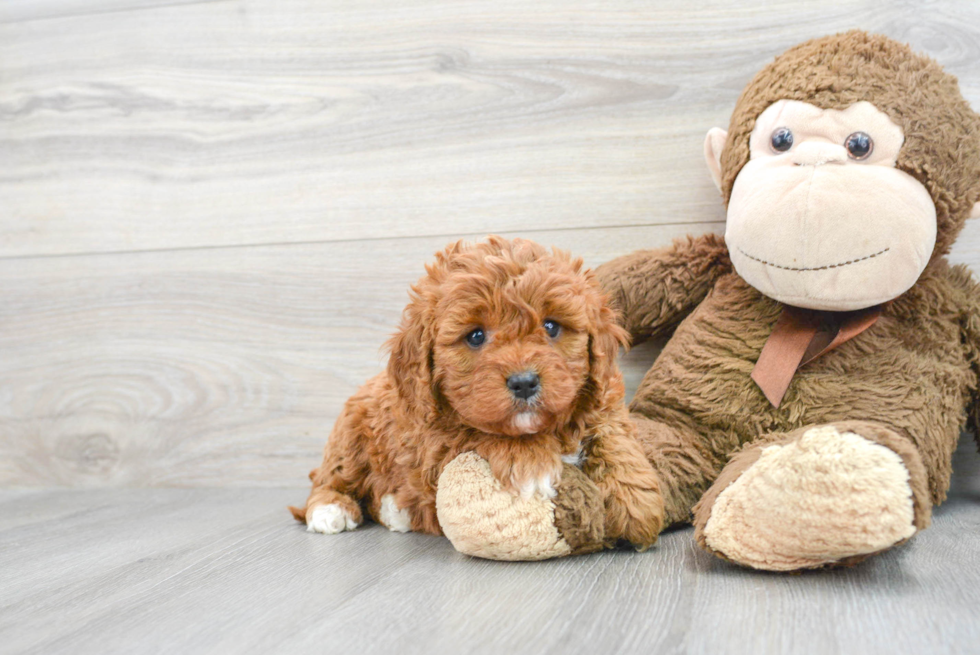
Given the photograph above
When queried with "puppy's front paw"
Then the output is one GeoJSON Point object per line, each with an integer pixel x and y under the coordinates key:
{"type": "Point", "coordinates": [643, 518]}
{"type": "Point", "coordinates": [530, 479]}
{"type": "Point", "coordinates": [531, 472]}
{"type": "Point", "coordinates": [393, 518]}
{"type": "Point", "coordinates": [634, 505]}
{"type": "Point", "coordinates": [330, 519]}
{"type": "Point", "coordinates": [542, 486]}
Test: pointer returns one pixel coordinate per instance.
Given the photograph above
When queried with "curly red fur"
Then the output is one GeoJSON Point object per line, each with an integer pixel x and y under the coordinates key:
{"type": "Point", "coordinates": [440, 397]}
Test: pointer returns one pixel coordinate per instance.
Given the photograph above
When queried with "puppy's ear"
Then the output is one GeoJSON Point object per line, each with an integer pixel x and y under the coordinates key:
{"type": "Point", "coordinates": [605, 338]}
{"type": "Point", "coordinates": [410, 365]}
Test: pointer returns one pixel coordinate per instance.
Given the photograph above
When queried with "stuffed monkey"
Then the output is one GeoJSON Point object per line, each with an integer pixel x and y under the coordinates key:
{"type": "Point", "coordinates": [824, 355]}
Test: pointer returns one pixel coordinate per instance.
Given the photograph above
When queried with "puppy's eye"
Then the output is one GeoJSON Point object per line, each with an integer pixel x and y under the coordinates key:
{"type": "Point", "coordinates": [859, 145]}
{"type": "Point", "coordinates": [476, 338]}
{"type": "Point", "coordinates": [781, 139]}
{"type": "Point", "coordinates": [552, 328]}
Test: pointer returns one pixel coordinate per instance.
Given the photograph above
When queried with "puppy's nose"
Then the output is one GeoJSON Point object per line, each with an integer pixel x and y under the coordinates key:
{"type": "Point", "coordinates": [524, 385]}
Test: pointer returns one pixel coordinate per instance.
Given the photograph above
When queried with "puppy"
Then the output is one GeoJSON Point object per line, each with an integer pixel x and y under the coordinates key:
{"type": "Point", "coordinates": [506, 350]}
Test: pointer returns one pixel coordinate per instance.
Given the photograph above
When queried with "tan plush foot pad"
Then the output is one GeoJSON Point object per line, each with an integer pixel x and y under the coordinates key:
{"type": "Point", "coordinates": [826, 497]}
{"type": "Point", "coordinates": [483, 520]}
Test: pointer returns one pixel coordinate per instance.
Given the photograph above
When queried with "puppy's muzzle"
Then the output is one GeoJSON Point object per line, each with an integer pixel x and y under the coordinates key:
{"type": "Point", "coordinates": [524, 385]}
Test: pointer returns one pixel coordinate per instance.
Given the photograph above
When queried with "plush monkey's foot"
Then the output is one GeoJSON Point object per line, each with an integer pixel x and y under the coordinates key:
{"type": "Point", "coordinates": [481, 519]}
{"type": "Point", "coordinates": [826, 497]}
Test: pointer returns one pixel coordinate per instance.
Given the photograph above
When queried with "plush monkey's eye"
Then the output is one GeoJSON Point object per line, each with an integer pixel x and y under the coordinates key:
{"type": "Point", "coordinates": [552, 328]}
{"type": "Point", "coordinates": [859, 145]}
{"type": "Point", "coordinates": [781, 139]}
{"type": "Point", "coordinates": [476, 338]}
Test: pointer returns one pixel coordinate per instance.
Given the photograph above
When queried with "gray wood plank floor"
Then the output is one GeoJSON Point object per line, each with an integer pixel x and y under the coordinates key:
{"type": "Point", "coordinates": [228, 571]}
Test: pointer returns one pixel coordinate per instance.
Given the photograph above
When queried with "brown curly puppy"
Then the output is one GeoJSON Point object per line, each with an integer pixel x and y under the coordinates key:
{"type": "Point", "coordinates": [506, 350]}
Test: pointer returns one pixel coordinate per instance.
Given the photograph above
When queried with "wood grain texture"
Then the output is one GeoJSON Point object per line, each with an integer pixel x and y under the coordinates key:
{"type": "Point", "coordinates": [14, 11]}
{"type": "Point", "coordinates": [264, 121]}
{"type": "Point", "coordinates": [210, 212]}
{"type": "Point", "coordinates": [228, 571]}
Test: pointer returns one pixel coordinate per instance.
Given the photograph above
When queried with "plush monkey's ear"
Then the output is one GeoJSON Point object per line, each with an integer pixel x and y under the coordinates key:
{"type": "Point", "coordinates": [975, 213]}
{"type": "Point", "coordinates": [410, 363]}
{"type": "Point", "coordinates": [714, 143]}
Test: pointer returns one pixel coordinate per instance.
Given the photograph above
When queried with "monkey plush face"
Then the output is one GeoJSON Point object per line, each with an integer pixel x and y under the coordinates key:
{"type": "Point", "coordinates": [820, 217]}
{"type": "Point", "coordinates": [850, 164]}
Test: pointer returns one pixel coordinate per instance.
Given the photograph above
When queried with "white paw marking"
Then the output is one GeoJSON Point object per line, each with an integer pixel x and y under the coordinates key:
{"type": "Point", "coordinates": [396, 520]}
{"type": "Point", "coordinates": [575, 459]}
{"type": "Point", "coordinates": [330, 519]}
{"type": "Point", "coordinates": [543, 486]}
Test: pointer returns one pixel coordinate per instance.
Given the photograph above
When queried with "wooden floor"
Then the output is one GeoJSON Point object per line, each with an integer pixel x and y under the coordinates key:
{"type": "Point", "coordinates": [227, 571]}
{"type": "Point", "coordinates": [210, 214]}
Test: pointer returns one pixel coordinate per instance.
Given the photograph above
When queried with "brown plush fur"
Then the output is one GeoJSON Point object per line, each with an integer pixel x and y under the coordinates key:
{"type": "Point", "coordinates": [961, 278]}
{"type": "Point", "coordinates": [441, 397]}
{"type": "Point", "coordinates": [913, 376]}
{"type": "Point", "coordinates": [698, 404]}
{"type": "Point", "coordinates": [579, 512]}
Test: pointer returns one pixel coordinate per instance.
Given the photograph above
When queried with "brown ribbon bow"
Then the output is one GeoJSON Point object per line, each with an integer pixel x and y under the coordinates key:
{"type": "Point", "coordinates": [800, 336]}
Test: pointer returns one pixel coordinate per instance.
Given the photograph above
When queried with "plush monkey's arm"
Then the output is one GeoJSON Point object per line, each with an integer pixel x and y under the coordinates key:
{"type": "Point", "coordinates": [653, 290]}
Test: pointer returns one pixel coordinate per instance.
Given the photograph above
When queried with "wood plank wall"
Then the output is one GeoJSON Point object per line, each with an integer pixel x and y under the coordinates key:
{"type": "Point", "coordinates": [210, 212]}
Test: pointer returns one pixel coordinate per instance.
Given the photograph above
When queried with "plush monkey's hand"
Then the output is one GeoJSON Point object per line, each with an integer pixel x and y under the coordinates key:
{"type": "Point", "coordinates": [653, 290]}
{"type": "Point", "coordinates": [482, 519]}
